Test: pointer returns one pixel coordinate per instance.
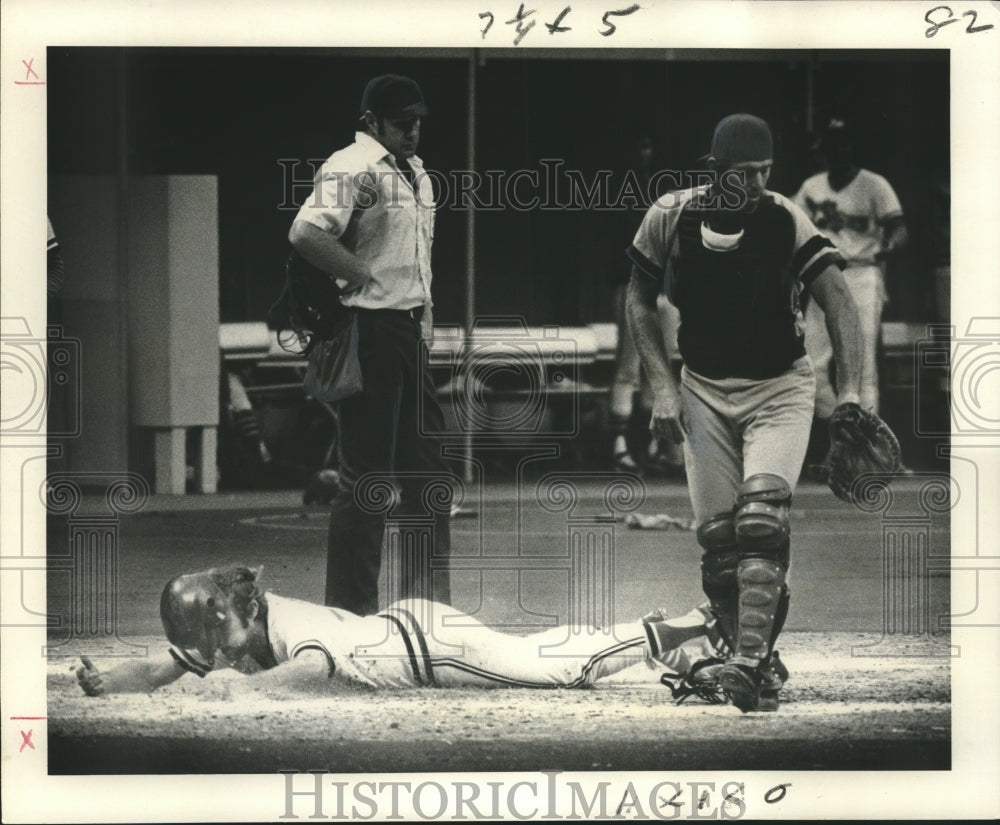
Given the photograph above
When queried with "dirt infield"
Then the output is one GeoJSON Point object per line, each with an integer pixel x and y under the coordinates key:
{"type": "Point", "coordinates": [888, 709]}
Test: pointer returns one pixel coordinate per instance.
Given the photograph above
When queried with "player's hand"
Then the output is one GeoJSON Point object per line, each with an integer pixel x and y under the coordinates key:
{"type": "Point", "coordinates": [670, 418]}
{"type": "Point", "coordinates": [90, 678]}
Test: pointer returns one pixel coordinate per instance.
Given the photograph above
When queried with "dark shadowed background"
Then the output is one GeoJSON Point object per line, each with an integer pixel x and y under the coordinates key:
{"type": "Point", "coordinates": [237, 113]}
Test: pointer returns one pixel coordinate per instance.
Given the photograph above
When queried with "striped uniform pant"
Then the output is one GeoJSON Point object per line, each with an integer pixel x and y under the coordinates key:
{"type": "Point", "coordinates": [448, 648]}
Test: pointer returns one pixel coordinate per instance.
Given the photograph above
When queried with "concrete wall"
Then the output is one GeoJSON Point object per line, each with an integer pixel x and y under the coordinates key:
{"type": "Point", "coordinates": [173, 278]}
{"type": "Point", "coordinates": [142, 296]}
{"type": "Point", "coordinates": [86, 213]}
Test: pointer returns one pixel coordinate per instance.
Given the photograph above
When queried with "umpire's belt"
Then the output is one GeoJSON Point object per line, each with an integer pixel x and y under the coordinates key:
{"type": "Point", "coordinates": [415, 314]}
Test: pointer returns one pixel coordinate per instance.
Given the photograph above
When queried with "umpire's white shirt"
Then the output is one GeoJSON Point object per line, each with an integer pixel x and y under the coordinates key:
{"type": "Point", "coordinates": [362, 198]}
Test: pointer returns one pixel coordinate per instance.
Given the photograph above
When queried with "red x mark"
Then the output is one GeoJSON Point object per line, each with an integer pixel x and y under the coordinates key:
{"type": "Point", "coordinates": [26, 741]}
{"type": "Point", "coordinates": [29, 73]}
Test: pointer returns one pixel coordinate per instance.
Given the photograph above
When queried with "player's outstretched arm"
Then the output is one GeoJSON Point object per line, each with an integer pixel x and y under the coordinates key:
{"type": "Point", "coordinates": [831, 293]}
{"type": "Point", "coordinates": [310, 667]}
{"type": "Point", "coordinates": [644, 323]}
{"type": "Point", "coordinates": [141, 676]}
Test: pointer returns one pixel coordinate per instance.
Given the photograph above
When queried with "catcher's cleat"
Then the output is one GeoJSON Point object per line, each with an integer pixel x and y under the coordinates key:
{"type": "Point", "coordinates": [768, 702]}
{"type": "Point", "coordinates": [742, 685]}
{"type": "Point", "coordinates": [778, 667]}
{"type": "Point", "coordinates": [774, 674]}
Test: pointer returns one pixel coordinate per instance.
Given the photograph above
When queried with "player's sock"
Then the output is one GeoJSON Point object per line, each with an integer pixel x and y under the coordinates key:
{"type": "Point", "coordinates": [665, 635]}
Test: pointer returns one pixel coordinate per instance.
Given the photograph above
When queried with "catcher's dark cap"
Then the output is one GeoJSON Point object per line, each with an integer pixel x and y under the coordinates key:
{"type": "Point", "coordinates": [394, 96]}
{"type": "Point", "coordinates": [192, 607]}
{"type": "Point", "coordinates": [742, 138]}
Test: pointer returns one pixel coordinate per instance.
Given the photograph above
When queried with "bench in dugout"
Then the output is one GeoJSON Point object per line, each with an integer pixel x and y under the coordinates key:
{"type": "Point", "coordinates": [512, 381]}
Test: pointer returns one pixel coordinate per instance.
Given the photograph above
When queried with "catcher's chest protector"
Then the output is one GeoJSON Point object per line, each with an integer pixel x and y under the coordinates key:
{"type": "Point", "coordinates": [738, 307]}
{"type": "Point", "coordinates": [754, 277]}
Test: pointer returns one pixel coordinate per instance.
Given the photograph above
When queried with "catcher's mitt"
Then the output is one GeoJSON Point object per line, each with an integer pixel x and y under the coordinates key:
{"type": "Point", "coordinates": [860, 442]}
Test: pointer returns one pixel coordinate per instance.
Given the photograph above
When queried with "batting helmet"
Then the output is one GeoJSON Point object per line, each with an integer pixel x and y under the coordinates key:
{"type": "Point", "coordinates": [192, 608]}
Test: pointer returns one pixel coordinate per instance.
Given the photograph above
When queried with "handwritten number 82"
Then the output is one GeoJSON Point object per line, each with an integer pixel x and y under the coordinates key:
{"type": "Point", "coordinates": [936, 23]}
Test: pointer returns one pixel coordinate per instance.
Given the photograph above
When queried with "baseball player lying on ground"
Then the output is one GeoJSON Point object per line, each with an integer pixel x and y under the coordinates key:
{"type": "Point", "coordinates": [215, 618]}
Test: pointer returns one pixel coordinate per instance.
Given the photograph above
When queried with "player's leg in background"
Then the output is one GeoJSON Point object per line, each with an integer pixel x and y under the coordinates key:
{"type": "Point", "coordinates": [465, 652]}
{"type": "Point", "coordinates": [623, 387]}
{"type": "Point", "coordinates": [714, 465]}
{"type": "Point", "coordinates": [867, 287]}
{"type": "Point", "coordinates": [776, 419]}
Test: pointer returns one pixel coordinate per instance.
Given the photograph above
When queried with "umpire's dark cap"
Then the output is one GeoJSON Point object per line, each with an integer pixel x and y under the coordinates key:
{"type": "Point", "coordinates": [393, 96]}
{"type": "Point", "coordinates": [742, 138]}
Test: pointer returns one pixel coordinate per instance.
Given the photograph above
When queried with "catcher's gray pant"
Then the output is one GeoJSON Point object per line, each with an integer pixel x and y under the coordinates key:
{"type": "Point", "coordinates": [740, 427]}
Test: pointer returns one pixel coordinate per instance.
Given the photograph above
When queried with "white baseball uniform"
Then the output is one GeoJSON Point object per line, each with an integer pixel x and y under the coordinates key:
{"type": "Point", "coordinates": [852, 218]}
{"type": "Point", "coordinates": [417, 643]}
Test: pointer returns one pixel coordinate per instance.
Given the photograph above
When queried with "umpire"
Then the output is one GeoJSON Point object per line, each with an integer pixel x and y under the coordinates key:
{"type": "Point", "coordinates": [734, 258]}
{"type": "Point", "coordinates": [370, 222]}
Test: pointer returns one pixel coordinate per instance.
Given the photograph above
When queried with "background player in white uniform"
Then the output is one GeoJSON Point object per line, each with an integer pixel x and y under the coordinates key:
{"type": "Point", "coordinates": [734, 258]}
{"type": "Point", "coordinates": [858, 210]}
{"type": "Point", "coordinates": [217, 617]}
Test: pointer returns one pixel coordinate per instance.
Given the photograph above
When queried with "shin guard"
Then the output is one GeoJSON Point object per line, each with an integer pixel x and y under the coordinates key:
{"type": "Point", "coordinates": [762, 538]}
{"type": "Point", "coordinates": [719, 565]}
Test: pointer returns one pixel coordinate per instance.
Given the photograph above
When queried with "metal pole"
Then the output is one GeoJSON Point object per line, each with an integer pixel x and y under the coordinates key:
{"type": "Point", "coordinates": [810, 93]}
{"type": "Point", "coordinates": [470, 236]}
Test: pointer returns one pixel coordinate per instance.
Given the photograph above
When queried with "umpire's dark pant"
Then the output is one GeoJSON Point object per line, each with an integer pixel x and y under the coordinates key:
{"type": "Point", "coordinates": [387, 429]}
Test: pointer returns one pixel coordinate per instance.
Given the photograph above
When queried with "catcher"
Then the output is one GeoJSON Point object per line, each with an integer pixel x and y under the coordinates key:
{"type": "Point", "coordinates": [218, 617]}
{"type": "Point", "coordinates": [735, 259]}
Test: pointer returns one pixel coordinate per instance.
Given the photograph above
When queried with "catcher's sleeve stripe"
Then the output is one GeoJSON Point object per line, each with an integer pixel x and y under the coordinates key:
{"type": "Point", "coordinates": [188, 663]}
{"type": "Point", "coordinates": [809, 250]}
{"type": "Point", "coordinates": [409, 647]}
{"type": "Point", "coordinates": [53, 244]}
{"type": "Point", "coordinates": [816, 267]}
{"type": "Point", "coordinates": [643, 264]}
{"type": "Point", "coordinates": [313, 644]}
{"type": "Point", "coordinates": [412, 626]}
